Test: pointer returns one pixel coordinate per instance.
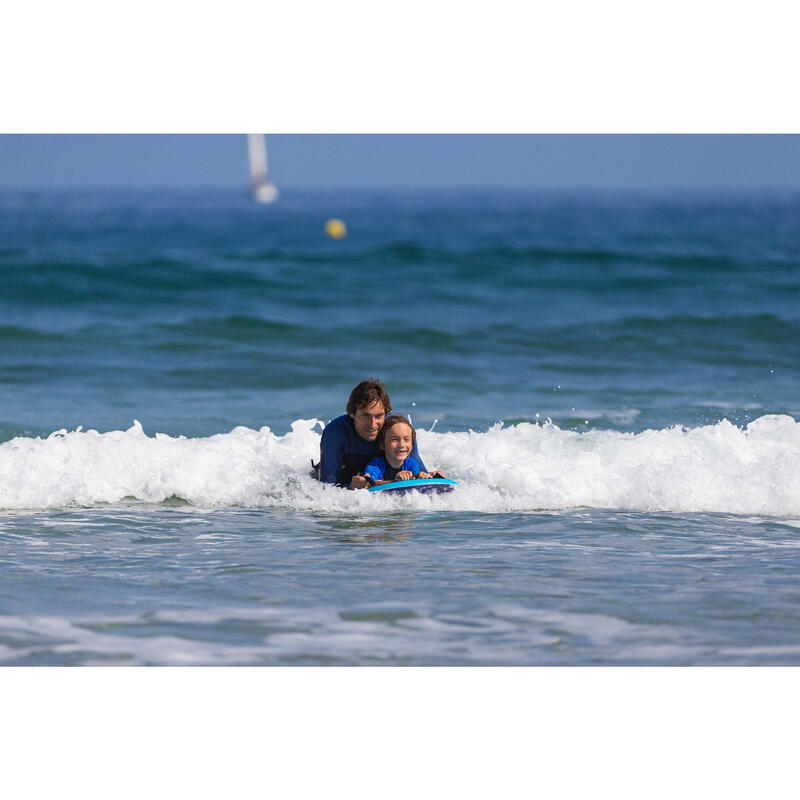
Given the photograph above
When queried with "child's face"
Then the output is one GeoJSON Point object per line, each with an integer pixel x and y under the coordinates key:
{"type": "Point", "coordinates": [398, 443]}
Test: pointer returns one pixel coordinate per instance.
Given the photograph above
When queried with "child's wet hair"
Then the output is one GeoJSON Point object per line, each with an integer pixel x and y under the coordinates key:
{"type": "Point", "coordinates": [389, 423]}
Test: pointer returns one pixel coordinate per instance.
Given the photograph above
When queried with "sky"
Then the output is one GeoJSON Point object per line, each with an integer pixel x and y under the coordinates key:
{"type": "Point", "coordinates": [425, 161]}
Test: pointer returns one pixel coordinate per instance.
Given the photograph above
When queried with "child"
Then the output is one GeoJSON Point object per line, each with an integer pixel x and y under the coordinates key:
{"type": "Point", "coordinates": [396, 438]}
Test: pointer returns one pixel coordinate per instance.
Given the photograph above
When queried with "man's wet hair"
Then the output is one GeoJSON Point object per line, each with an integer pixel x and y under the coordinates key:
{"type": "Point", "coordinates": [388, 424]}
{"type": "Point", "coordinates": [366, 393]}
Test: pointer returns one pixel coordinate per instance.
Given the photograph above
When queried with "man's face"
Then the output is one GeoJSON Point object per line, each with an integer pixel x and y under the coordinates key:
{"type": "Point", "coordinates": [368, 420]}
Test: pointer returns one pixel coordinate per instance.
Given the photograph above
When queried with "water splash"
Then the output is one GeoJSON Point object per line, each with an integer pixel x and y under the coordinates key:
{"type": "Point", "coordinates": [523, 467]}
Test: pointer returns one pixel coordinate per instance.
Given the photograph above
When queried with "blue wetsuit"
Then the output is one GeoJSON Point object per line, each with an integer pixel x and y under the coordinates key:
{"type": "Point", "coordinates": [343, 453]}
{"type": "Point", "coordinates": [379, 469]}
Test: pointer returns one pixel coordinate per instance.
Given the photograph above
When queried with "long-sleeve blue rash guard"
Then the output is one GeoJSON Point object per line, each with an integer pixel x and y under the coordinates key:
{"type": "Point", "coordinates": [379, 469]}
{"type": "Point", "coordinates": [343, 453]}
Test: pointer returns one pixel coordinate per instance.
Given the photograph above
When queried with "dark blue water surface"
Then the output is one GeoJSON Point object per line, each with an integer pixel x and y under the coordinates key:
{"type": "Point", "coordinates": [195, 313]}
{"type": "Point", "coordinates": [199, 312]}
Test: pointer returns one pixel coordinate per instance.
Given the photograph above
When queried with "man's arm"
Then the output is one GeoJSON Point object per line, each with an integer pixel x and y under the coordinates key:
{"type": "Point", "coordinates": [331, 454]}
{"type": "Point", "coordinates": [373, 475]}
{"type": "Point", "coordinates": [416, 456]}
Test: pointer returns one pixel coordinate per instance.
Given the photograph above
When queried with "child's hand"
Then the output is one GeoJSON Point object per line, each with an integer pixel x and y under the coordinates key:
{"type": "Point", "coordinates": [423, 475]}
{"type": "Point", "coordinates": [405, 475]}
{"type": "Point", "coordinates": [437, 474]}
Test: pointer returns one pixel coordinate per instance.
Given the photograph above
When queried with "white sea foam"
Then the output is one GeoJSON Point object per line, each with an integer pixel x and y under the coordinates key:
{"type": "Point", "coordinates": [715, 468]}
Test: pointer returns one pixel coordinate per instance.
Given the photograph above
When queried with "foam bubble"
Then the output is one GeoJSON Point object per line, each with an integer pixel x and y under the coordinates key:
{"type": "Point", "coordinates": [525, 467]}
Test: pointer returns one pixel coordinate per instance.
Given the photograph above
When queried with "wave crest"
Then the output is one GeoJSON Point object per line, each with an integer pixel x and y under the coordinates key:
{"type": "Point", "coordinates": [524, 467]}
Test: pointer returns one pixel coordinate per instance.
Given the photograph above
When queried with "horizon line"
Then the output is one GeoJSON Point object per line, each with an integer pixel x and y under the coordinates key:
{"type": "Point", "coordinates": [244, 190]}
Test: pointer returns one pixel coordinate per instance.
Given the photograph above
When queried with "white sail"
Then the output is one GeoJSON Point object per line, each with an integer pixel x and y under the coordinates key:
{"type": "Point", "coordinates": [261, 189]}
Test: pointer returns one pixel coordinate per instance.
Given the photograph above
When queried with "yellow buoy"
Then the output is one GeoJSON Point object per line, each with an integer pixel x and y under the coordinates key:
{"type": "Point", "coordinates": [336, 229]}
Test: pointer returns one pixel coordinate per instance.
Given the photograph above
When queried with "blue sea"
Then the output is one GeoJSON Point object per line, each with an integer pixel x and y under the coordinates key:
{"type": "Point", "coordinates": [613, 379]}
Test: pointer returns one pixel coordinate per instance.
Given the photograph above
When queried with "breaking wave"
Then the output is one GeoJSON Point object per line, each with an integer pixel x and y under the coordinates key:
{"type": "Point", "coordinates": [524, 467]}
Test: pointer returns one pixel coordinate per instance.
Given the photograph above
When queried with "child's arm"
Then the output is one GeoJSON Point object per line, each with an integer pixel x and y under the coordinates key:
{"type": "Point", "coordinates": [413, 469]}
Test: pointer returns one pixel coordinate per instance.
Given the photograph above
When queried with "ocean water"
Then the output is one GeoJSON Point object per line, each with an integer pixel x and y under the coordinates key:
{"type": "Point", "coordinates": [612, 378]}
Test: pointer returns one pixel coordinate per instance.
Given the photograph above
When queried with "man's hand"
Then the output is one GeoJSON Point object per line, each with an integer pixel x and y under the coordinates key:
{"type": "Point", "coordinates": [359, 482]}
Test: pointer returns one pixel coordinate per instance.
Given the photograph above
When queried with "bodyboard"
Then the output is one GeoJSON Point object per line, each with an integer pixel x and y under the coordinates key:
{"type": "Point", "coordinates": [423, 485]}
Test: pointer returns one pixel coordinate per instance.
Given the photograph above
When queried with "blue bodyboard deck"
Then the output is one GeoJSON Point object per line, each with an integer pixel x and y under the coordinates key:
{"type": "Point", "coordinates": [424, 485]}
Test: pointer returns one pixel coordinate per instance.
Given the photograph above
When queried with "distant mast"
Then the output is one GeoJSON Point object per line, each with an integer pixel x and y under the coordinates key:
{"type": "Point", "coordinates": [261, 190]}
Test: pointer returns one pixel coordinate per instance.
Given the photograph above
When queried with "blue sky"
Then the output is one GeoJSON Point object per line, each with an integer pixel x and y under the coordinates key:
{"type": "Point", "coordinates": [405, 161]}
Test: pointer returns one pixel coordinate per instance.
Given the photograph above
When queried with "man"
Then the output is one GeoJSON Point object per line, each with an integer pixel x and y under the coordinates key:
{"type": "Point", "coordinates": [349, 442]}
